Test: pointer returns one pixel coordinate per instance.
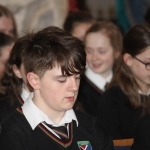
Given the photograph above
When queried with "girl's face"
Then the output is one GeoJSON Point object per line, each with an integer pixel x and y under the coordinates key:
{"type": "Point", "coordinates": [5, 52]}
{"type": "Point", "coordinates": [142, 75]}
{"type": "Point", "coordinates": [100, 54]}
{"type": "Point", "coordinates": [6, 26]}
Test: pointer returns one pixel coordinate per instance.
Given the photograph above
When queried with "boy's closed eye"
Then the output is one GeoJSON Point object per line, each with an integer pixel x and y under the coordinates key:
{"type": "Point", "coordinates": [62, 81]}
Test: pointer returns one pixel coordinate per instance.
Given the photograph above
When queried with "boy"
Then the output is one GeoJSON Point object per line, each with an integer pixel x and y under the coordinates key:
{"type": "Point", "coordinates": [53, 60]}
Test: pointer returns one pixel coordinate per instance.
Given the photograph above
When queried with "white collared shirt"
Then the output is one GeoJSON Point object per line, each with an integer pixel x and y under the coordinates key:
{"type": "Point", "coordinates": [35, 116]}
{"type": "Point", "coordinates": [97, 79]}
{"type": "Point", "coordinates": [148, 93]}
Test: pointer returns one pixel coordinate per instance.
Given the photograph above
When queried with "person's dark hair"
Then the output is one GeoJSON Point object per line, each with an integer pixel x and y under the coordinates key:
{"type": "Point", "coordinates": [10, 84]}
{"type": "Point", "coordinates": [147, 16]}
{"type": "Point", "coordinates": [4, 11]}
{"type": "Point", "coordinates": [5, 40]}
{"type": "Point", "coordinates": [75, 18]}
{"type": "Point", "coordinates": [112, 31]}
{"type": "Point", "coordinates": [135, 41]}
{"type": "Point", "coordinates": [53, 46]}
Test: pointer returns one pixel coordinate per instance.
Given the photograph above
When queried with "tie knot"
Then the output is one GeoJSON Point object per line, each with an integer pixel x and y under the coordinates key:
{"type": "Point", "coordinates": [61, 131]}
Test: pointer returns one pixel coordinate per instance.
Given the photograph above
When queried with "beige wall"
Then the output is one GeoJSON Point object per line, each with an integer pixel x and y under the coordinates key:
{"type": "Point", "coordinates": [36, 14]}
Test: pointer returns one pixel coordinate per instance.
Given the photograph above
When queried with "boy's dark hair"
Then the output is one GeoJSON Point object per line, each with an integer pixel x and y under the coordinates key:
{"type": "Point", "coordinates": [75, 18]}
{"type": "Point", "coordinates": [5, 40]}
{"type": "Point", "coordinates": [53, 46]}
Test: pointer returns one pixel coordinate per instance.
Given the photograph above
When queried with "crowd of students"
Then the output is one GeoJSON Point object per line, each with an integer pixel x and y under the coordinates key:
{"type": "Point", "coordinates": [88, 78]}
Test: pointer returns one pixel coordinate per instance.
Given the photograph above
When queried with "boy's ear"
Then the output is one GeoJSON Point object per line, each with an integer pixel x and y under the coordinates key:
{"type": "Point", "coordinates": [127, 59]}
{"type": "Point", "coordinates": [16, 71]}
{"type": "Point", "coordinates": [33, 80]}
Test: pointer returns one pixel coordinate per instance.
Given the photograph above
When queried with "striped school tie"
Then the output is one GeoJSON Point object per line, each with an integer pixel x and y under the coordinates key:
{"type": "Point", "coordinates": [61, 131]}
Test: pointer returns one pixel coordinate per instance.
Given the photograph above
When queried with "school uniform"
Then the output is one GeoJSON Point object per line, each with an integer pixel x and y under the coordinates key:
{"type": "Point", "coordinates": [26, 129]}
{"type": "Point", "coordinates": [142, 134]}
{"type": "Point", "coordinates": [91, 88]}
{"type": "Point", "coordinates": [115, 113]}
{"type": "Point", "coordinates": [7, 108]}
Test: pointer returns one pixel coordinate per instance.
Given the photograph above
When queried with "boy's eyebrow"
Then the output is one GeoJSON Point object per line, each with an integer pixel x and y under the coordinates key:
{"type": "Point", "coordinates": [59, 76]}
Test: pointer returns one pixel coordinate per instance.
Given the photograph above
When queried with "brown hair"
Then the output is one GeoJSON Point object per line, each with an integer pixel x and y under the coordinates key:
{"type": "Point", "coordinates": [135, 41]}
{"type": "Point", "coordinates": [75, 18]}
{"type": "Point", "coordinates": [11, 85]}
{"type": "Point", "coordinates": [112, 31]}
{"type": "Point", "coordinates": [5, 40]}
{"type": "Point", "coordinates": [53, 46]}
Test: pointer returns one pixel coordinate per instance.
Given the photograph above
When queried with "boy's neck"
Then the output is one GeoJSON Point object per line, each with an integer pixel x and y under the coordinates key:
{"type": "Point", "coordinates": [54, 115]}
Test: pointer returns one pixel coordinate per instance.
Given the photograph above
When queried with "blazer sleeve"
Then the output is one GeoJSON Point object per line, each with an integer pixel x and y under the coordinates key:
{"type": "Point", "coordinates": [104, 139]}
{"type": "Point", "coordinates": [142, 134]}
{"type": "Point", "coordinates": [109, 113]}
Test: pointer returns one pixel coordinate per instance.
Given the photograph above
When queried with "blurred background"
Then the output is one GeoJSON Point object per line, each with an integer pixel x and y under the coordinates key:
{"type": "Point", "coordinates": [36, 14]}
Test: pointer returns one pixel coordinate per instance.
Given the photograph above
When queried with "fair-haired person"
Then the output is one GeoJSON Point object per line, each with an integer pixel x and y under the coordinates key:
{"type": "Point", "coordinates": [78, 22]}
{"type": "Point", "coordinates": [121, 105]}
{"type": "Point", "coordinates": [53, 60]}
{"type": "Point", "coordinates": [6, 44]}
{"type": "Point", "coordinates": [103, 45]}
{"type": "Point", "coordinates": [14, 88]}
{"type": "Point", "coordinates": [7, 22]}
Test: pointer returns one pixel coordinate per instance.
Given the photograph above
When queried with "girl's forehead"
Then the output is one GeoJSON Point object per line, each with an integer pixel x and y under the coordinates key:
{"type": "Point", "coordinates": [145, 53]}
{"type": "Point", "coordinates": [147, 50]}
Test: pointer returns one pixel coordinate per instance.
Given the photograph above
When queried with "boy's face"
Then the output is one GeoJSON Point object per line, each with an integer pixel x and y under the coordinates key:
{"type": "Point", "coordinates": [55, 92]}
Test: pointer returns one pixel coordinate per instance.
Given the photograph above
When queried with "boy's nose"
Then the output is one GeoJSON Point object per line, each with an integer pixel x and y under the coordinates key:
{"type": "Point", "coordinates": [74, 85]}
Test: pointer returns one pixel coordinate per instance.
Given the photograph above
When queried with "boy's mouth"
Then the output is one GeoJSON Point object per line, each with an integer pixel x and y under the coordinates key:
{"type": "Point", "coordinates": [70, 98]}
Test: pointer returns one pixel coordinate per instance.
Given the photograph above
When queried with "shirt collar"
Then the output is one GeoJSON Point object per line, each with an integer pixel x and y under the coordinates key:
{"type": "Point", "coordinates": [148, 93]}
{"type": "Point", "coordinates": [35, 116]}
{"type": "Point", "coordinates": [97, 79]}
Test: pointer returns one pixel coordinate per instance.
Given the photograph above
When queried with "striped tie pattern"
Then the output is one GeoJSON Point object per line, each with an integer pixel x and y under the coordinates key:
{"type": "Point", "coordinates": [61, 131]}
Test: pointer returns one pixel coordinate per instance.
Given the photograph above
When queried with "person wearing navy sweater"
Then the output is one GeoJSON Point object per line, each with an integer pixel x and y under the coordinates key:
{"type": "Point", "coordinates": [121, 105]}
{"type": "Point", "coordinates": [103, 46]}
{"type": "Point", "coordinates": [53, 61]}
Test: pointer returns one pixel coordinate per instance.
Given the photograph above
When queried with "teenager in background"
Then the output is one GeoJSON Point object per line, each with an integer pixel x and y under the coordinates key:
{"type": "Point", "coordinates": [14, 88]}
{"type": "Point", "coordinates": [103, 45]}
{"type": "Point", "coordinates": [7, 22]}
{"type": "Point", "coordinates": [77, 23]}
{"type": "Point", "coordinates": [121, 105]}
